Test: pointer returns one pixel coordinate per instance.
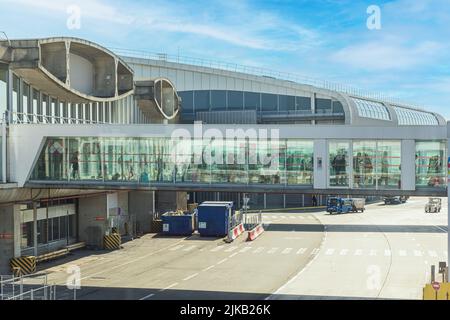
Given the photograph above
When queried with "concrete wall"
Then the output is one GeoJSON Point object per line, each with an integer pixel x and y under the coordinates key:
{"type": "Point", "coordinates": [141, 208]}
{"type": "Point", "coordinates": [170, 200]}
{"type": "Point", "coordinates": [92, 220]}
{"type": "Point", "coordinates": [81, 74]}
{"type": "Point", "coordinates": [9, 236]}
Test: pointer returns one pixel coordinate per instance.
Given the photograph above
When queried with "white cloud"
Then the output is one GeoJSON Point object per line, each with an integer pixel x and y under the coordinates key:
{"type": "Point", "coordinates": [387, 55]}
{"type": "Point", "coordinates": [245, 27]}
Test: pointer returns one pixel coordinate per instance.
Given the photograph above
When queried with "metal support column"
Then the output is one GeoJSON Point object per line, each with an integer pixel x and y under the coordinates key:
{"type": "Point", "coordinates": [35, 229]}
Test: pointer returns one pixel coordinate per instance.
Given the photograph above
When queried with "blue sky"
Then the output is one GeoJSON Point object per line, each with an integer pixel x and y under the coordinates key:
{"type": "Point", "coordinates": [409, 57]}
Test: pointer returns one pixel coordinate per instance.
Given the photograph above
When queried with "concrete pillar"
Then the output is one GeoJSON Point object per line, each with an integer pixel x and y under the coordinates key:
{"type": "Point", "coordinates": [141, 207]}
{"type": "Point", "coordinates": [35, 230]}
{"type": "Point", "coordinates": [320, 164]}
{"type": "Point", "coordinates": [93, 220]}
{"type": "Point", "coordinates": [10, 236]}
{"type": "Point", "coordinates": [408, 162]}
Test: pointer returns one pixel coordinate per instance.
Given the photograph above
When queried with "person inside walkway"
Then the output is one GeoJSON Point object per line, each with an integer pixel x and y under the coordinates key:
{"type": "Point", "coordinates": [314, 201]}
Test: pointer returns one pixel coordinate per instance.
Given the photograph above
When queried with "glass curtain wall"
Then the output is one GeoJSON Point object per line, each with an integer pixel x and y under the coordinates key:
{"type": "Point", "coordinates": [163, 160]}
{"type": "Point", "coordinates": [339, 163]}
{"type": "Point", "coordinates": [430, 164]}
{"type": "Point", "coordinates": [376, 164]}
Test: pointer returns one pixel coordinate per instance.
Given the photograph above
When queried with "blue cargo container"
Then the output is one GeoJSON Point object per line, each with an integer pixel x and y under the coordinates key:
{"type": "Point", "coordinates": [180, 225]}
{"type": "Point", "coordinates": [214, 218]}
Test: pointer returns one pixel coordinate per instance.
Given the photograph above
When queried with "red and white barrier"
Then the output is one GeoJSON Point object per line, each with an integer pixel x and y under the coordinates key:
{"type": "Point", "coordinates": [255, 232]}
{"type": "Point", "coordinates": [236, 232]}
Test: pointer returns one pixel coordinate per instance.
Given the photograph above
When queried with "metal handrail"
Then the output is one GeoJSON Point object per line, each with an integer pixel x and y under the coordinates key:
{"type": "Point", "coordinates": [28, 118]}
{"type": "Point", "coordinates": [259, 71]}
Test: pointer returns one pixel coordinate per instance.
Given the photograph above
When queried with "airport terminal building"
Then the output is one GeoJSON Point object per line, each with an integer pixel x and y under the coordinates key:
{"type": "Point", "coordinates": [86, 140]}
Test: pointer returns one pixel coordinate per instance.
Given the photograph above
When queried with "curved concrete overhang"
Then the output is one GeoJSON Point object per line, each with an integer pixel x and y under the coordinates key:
{"type": "Point", "coordinates": [158, 98]}
{"type": "Point", "coordinates": [70, 69]}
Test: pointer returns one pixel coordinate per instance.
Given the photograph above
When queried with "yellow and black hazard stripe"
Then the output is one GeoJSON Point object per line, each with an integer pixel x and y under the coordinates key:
{"type": "Point", "coordinates": [23, 265]}
{"type": "Point", "coordinates": [112, 241]}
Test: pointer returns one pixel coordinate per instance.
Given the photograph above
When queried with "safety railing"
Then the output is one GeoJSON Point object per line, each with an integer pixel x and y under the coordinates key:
{"type": "Point", "coordinates": [259, 71]}
{"type": "Point", "coordinates": [251, 220]}
{"type": "Point", "coordinates": [30, 118]}
{"type": "Point", "coordinates": [26, 287]}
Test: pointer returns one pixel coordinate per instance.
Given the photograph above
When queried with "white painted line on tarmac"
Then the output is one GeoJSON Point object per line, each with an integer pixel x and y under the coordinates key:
{"type": "Point", "coordinates": [168, 287]}
{"type": "Point", "coordinates": [301, 250]}
{"type": "Point", "coordinates": [315, 251]}
{"type": "Point", "coordinates": [232, 255]}
{"type": "Point", "coordinates": [231, 248]}
{"type": "Point", "coordinates": [402, 253]}
{"type": "Point", "coordinates": [273, 250]}
{"type": "Point", "coordinates": [176, 247]}
{"type": "Point", "coordinates": [291, 217]}
{"type": "Point", "coordinates": [190, 277]}
{"type": "Point", "coordinates": [329, 252]}
{"type": "Point", "coordinates": [387, 253]}
{"type": "Point", "coordinates": [373, 253]}
{"type": "Point", "coordinates": [208, 268]}
{"type": "Point", "coordinates": [245, 249]}
{"type": "Point", "coordinates": [131, 261]}
{"type": "Point", "coordinates": [189, 248]}
{"type": "Point", "coordinates": [259, 250]}
{"type": "Point", "coordinates": [286, 251]}
{"type": "Point", "coordinates": [358, 252]}
{"type": "Point", "coordinates": [222, 261]}
{"type": "Point", "coordinates": [343, 252]}
{"type": "Point", "coordinates": [217, 248]}
{"type": "Point", "coordinates": [417, 253]}
{"type": "Point", "coordinates": [147, 296]}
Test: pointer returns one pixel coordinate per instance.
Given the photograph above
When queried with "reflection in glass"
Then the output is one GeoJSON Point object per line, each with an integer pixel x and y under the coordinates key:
{"type": "Point", "coordinates": [338, 153]}
{"type": "Point", "coordinates": [430, 168]}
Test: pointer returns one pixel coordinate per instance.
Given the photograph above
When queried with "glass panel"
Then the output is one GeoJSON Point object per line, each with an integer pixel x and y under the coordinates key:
{"type": "Point", "coordinates": [235, 100]}
{"type": "Point", "coordinates": [269, 102]}
{"type": "Point", "coordinates": [389, 164]}
{"type": "Point", "coordinates": [187, 101]}
{"type": "Point", "coordinates": [337, 107]}
{"type": "Point", "coordinates": [323, 105]}
{"type": "Point", "coordinates": [266, 161]}
{"type": "Point", "coordinates": [364, 164]}
{"type": "Point", "coordinates": [85, 159]}
{"type": "Point", "coordinates": [339, 163]}
{"type": "Point", "coordinates": [218, 100]}
{"type": "Point", "coordinates": [299, 162]}
{"type": "Point", "coordinates": [286, 102]}
{"type": "Point", "coordinates": [415, 117]}
{"type": "Point", "coordinates": [303, 103]}
{"type": "Point", "coordinates": [52, 164]}
{"type": "Point", "coordinates": [252, 100]}
{"type": "Point", "coordinates": [371, 109]}
{"type": "Point", "coordinates": [430, 160]}
{"type": "Point", "coordinates": [201, 100]}
{"type": "Point", "coordinates": [168, 98]}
